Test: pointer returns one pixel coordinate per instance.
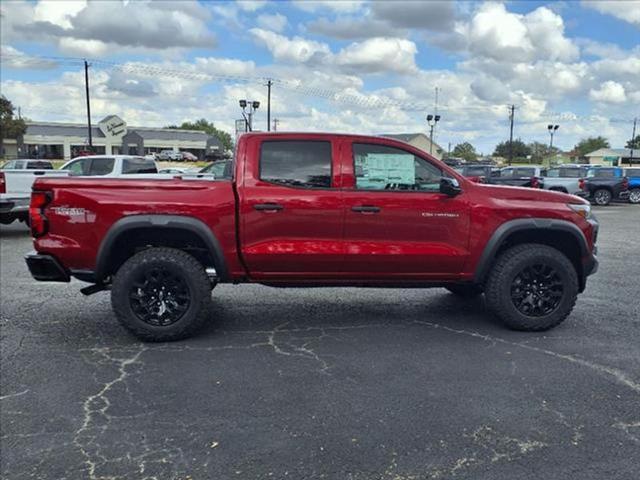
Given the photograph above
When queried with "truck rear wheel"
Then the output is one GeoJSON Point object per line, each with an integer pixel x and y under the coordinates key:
{"type": "Point", "coordinates": [602, 197]}
{"type": "Point", "coordinates": [634, 195]}
{"type": "Point", "coordinates": [161, 294]}
{"type": "Point", "coordinates": [532, 287]}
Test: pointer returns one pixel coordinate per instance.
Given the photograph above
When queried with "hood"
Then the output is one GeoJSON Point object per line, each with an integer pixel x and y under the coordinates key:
{"type": "Point", "coordinates": [527, 194]}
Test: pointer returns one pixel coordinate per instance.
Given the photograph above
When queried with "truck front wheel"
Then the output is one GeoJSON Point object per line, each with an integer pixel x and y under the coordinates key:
{"type": "Point", "coordinates": [161, 294]}
{"type": "Point", "coordinates": [532, 287]}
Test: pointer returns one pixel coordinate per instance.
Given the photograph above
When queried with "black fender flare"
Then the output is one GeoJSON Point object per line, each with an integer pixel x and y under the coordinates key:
{"type": "Point", "coordinates": [160, 221]}
{"type": "Point", "coordinates": [503, 231]}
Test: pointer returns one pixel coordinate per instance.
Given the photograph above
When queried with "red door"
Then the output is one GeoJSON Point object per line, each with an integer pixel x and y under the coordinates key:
{"type": "Point", "coordinates": [291, 209]}
{"type": "Point", "coordinates": [398, 226]}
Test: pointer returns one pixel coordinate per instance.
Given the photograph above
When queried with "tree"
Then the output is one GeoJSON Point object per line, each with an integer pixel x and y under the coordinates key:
{"type": "Point", "coordinates": [9, 127]}
{"type": "Point", "coordinates": [465, 150]}
{"type": "Point", "coordinates": [540, 151]}
{"type": "Point", "coordinates": [635, 144]}
{"type": "Point", "coordinates": [207, 127]}
{"type": "Point", "coordinates": [519, 149]}
{"type": "Point", "coordinates": [591, 144]}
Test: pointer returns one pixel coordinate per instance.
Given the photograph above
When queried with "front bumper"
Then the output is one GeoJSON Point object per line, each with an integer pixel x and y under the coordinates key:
{"type": "Point", "coordinates": [46, 268]}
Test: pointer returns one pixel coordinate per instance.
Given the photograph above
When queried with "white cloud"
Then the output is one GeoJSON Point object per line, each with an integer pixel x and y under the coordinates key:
{"type": "Point", "coordinates": [628, 11]}
{"type": "Point", "coordinates": [342, 6]}
{"type": "Point", "coordinates": [431, 15]}
{"type": "Point", "coordinates": [58, 12]}
{"type": "Point", "coordinates": [379, 55]}
{"type": "Point", "coordinates": [497, 33]}
{"type": "Point", "coordinates": [294, 50]}
{"type": "Point", "coordinates": [274, 22]}
{"type": "Point", "coordinates": [16, 59]}
{"type": "Point", "coordinates": [609, 92]}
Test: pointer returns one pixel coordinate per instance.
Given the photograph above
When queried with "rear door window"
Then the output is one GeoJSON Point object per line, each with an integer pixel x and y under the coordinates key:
{"type": "Point", "coordinates": [79, 167]}
{"type": "Point", "coordinates": [138, 165]}
{"type": "Point", "coordinates": [632, 172]}
{"type": "Point", "coordinates": [101, 166]}
{"type": "Point", "coordinates": [305, 164]}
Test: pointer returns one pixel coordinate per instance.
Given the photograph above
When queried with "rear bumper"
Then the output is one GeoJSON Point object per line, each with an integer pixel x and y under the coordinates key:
{"type": "Point", "coordinates": [14, 205]}
{"type": "Point", "coordinates": [46, 268]}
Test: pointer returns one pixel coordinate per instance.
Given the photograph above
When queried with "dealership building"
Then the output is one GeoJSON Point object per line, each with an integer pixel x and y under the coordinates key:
{"type": "Point", "coordinates": [110, 136]}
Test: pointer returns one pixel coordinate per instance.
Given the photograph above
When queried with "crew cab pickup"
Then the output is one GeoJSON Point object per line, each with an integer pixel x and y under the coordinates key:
{"type": "Point", "coordinates": [603, 184]}
{"type": "Point", "coordinates": [528, 176]}
{"type": "Point", "coordinates": [564, 178]}
{"type": "Point", "coordinates": [15, 191]}
{"type": "Point", "coordinates": [110, 166]}
{"type": "Point", "coordinates": [633, 175]}
{"type": "Point", "coordinates": [478, 173]}
{"type": "Point", "coordinates": [308, 210]}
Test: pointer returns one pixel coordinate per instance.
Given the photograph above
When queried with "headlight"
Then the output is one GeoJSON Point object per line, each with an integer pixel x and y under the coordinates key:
{"type": "Point", "coordinates": [581, 209]}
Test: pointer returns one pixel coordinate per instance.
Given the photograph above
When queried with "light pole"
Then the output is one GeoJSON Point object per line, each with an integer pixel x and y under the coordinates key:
{"type": "Point", "coordinates": [552, 129]}
{"type": "Point", "coordinates": [431, 121]}
{"type": "Point", "coordinates": [248, 116]}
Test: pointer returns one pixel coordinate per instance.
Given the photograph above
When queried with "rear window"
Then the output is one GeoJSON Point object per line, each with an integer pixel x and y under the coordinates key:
{"type": "Point", "coordinates": [566, 172]}
{"type": "Point", "coordinates": [632, 172]}
{"type": "Point", "coordinates": [602, 173]}
{"type": "Point", "coordinates": [39, 166]}
{"type": "Point", "coordinates": [296, 163]}
{"type": "Point", "coordinates": [518, 172]}
{"type": "Point", "coordinates": [475, 171]}
{"type": "Point", "coordinates": [138, 165]}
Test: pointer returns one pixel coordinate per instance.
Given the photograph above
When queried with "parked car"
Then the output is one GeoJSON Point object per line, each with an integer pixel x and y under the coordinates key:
{"type": "Point", "coordinates": [27, 164]}
{"type": "Point", "coordinates": [311, 209]}
{"type": "Point", "coordinates": [15, 191]}
{"type": "Point", "coordinates": [633, 175]}
{"type": "Point", "coordinates": [220, 169]}
{"type": "Point", "coordinates": [520, 176]}
{"type": "Point", "coordinates": [603, 184]}
{"type": "Point", "coordinates": [565, 179]}
{"type": "Point", "coordinates": [479, 173]}
{"type": "Point", "coordinates": [170, 155]}
{"type": "Point", "coordinates": [189, 157]}
{"type": "Point", "coordinates": [110, 166]}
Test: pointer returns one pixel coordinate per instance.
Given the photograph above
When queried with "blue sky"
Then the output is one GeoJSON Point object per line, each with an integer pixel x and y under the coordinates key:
{"type": "Point", "coordinates": [360, 66]}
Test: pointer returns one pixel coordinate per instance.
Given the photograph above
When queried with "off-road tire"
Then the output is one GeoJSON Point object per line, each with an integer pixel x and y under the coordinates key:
{"type": "Point", "coordinates": [602, 197]}
{"type": "Point", "coordinates": [180, 264]}
{"type": "Point", "coordinates": [465, 291]}
{"type": "Point", "coordinates": [508, 265]}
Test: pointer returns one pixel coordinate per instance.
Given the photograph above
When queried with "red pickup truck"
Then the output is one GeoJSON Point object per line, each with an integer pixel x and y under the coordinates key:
{"type": "Point", "coordinates": [306, 209]}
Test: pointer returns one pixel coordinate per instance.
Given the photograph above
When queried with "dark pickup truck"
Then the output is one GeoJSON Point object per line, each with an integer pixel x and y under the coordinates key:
{"type": "Point", "coordinates": [529, 176]}
{"type": "Point", "coordinates": [604, 184]}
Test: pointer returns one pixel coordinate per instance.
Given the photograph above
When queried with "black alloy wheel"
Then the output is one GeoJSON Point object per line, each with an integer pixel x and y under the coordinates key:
{"type": "Point", "coordinates": [536, 291]}
{"type": "Point", "coordinates": [159, 297]}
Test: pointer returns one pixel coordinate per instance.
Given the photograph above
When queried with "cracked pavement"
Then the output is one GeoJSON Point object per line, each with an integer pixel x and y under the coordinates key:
{"type": "Point", "coordinates": [347, 383]}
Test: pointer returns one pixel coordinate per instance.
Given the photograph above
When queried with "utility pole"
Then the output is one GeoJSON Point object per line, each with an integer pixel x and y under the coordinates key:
{"type": "Point", "coordinates": [276, 121]}
{"type": "Point", "coordinates": [269, 83]}
{"type": "Point", "coordinates": [633, 138]}
{"type": "Point", "coordinates": [86, 88]}
{"type": "Point", "coordinates": [511, 114]}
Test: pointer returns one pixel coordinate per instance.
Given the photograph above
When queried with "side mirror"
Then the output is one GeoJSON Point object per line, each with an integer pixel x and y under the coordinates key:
{"type": "Point", "coordinates": [450, 186]}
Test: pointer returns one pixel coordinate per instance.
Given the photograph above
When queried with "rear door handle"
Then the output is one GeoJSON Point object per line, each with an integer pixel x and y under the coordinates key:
{"type": "Point", "coordinates": [366, 209]}
{"type": "Point", "coordinates": [268, 207]}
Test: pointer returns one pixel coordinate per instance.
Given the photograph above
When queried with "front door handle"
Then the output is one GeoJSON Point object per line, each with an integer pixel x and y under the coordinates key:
{"type": "Point", "coordinates": [366, 209]}
{"type": "Point", "coordinates": [268, 207]}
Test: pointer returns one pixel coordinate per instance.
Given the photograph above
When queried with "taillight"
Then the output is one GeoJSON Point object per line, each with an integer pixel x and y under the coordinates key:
{"type": "Point", "coordinates": [582, 185]}
{"type": "Point", "coordinates": [37, 218]}
{"type": "Point", "coordinates": [3, 183]}
{"type": "Point", "coordinates": [535, 182]}
{"type": "Point", "coordinates": [482, 179]}
{"type": "Point", "coordinates": [625, 183]}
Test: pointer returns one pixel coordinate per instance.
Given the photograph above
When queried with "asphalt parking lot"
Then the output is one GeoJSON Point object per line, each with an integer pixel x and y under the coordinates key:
{"type": "Point", "coordinates": [324, 383]}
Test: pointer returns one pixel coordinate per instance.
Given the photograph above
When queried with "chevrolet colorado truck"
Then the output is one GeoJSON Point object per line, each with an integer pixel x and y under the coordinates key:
{"type": "Point", "coordinates": [309, 210]}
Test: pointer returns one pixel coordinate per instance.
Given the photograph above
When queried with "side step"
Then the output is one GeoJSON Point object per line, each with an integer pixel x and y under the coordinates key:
{"type": "Point", "coordinates": [91, 289]}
